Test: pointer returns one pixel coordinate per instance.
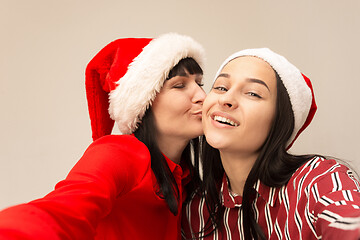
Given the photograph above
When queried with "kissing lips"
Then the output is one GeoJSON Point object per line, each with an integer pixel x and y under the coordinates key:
{"type": "Point", "coordinates": [197, 114]}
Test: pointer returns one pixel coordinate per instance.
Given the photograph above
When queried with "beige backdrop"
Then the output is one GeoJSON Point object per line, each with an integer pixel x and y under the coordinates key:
{"type": "Point", "coordinates": [45, 46]}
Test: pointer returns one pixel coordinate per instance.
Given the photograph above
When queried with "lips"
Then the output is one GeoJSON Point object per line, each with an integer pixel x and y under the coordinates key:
{"type": "Point", "coordinates": [197, 114]}
{"type": "Point", "coordinates": [225, 119]}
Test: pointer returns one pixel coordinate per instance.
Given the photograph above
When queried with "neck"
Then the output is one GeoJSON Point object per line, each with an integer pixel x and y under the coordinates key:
{"type": "Point", "coordinates": [172, 147]}
{"type": "Point", "coordinates": [237, 168]}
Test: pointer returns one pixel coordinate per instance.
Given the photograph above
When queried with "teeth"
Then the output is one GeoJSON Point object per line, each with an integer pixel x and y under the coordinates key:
{"type": "Point", "coordinates": [225, 120]}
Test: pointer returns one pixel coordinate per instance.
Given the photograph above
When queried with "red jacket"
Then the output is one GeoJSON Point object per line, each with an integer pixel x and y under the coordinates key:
{"type": "Point", "coordinates": [109, 194]}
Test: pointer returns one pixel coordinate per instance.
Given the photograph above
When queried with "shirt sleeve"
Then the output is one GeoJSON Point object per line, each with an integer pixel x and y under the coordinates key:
{"type": "Point", "coordinates": [335, 204]}
{"type": "Point", "coordinates": [109, 168]}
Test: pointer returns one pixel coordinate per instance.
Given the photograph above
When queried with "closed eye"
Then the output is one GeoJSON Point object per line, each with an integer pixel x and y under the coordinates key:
{"type": "Point", "coordinates": [179, 86]}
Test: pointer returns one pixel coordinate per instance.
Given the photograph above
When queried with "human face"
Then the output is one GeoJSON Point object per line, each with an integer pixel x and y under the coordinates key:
{"type": "Point", "coordinates": [177, 108]}
{"type": "Point", "coordinates": [244, 95]}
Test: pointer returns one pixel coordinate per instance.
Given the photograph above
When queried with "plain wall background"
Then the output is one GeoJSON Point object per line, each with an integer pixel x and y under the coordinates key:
{"type": "Point", "coordinates": [45, 46]}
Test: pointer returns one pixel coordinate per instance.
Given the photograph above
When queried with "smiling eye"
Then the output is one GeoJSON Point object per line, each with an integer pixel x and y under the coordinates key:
{"type": "Point", "coordinates": [254, 94]}
{"type": "Point", "coordinates": [220, 88]}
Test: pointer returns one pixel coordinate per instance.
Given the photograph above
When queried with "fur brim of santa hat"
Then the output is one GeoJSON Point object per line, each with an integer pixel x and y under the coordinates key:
{"type": "Point", "coordinates": [297, 85]}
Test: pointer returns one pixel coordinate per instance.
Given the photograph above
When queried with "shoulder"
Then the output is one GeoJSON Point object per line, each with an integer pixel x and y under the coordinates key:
{"type": "Point", "coordinates": [122, 141]}
{"type": "Point", "coordinates": [325, 173]}
{"type": "Point", "coordinates": [119, 146]}
{"type": "Point", "coordinates": [319, 166]}
{"type": "Point", "coordinates": [115, 155]}
{"type": "Point", "coordinates": [329, 194]}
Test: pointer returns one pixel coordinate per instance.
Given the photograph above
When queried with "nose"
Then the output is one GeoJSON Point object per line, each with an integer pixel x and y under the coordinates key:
{"type": "Point", "coordinates": [227, 100]}
{"type": "Point", "coordinates": [199, 95]}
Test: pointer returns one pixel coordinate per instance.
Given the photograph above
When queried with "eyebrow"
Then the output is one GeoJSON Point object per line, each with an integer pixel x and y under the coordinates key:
{"type": "Point", "coordinates": [254, 80]}
{"type": "Point", "coordinates": [181, 74]}
{"type": "Point", "coordinates": [198, 76]}
{"type": "Point", "coordinates": [225, 75]}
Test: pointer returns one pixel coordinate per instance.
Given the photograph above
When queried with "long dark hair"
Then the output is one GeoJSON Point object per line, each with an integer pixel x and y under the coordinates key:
{"type": "Point", "coordinates": [146, 133]}
{"type": "Point", "coordinates": [273, 167]}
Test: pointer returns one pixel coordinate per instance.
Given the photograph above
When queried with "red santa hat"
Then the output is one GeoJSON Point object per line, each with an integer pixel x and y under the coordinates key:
{"type": "Point", "coordinates": [297, 85]}
{"type": "Point", "coordinates": [122, 80]}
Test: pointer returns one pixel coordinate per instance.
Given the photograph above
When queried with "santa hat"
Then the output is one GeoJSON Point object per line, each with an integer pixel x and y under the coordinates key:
{"type": "Point", "coordinates": [297, 85]}
{"type": "Point", "coordinates": [133, 71]}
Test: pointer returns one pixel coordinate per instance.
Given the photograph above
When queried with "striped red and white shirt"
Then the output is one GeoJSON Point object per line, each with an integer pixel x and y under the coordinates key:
{"type": "Point", "coordinates": [320, 201]}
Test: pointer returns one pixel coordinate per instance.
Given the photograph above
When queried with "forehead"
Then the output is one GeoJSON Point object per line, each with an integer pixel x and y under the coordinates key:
{"type": "Point", "coordinates": [251, 67]}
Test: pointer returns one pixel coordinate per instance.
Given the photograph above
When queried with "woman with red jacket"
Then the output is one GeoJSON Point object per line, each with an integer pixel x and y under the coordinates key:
{"type": "Point", "coordinates": [128, 186]}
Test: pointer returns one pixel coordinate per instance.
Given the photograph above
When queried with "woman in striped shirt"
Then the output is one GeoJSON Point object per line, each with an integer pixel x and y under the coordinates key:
{"type": "Point", "coordinates": [256, 189]}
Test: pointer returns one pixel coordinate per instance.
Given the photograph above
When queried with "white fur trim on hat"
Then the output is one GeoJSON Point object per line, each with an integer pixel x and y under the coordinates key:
{"type": "Point", "coordinates": [299, 92]}
{"type": "Point", "coordinates": [145, 76]}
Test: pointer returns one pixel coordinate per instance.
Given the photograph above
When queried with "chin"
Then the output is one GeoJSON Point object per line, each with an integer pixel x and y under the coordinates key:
{"type": "Point", "coordinates": [198, 133]}
{"type": "Point", "coordinates": [191, 133]}
{"type": "Point", "coordinates": [198, 129]}
{"type": "Point", "coordinates": [215, 140]}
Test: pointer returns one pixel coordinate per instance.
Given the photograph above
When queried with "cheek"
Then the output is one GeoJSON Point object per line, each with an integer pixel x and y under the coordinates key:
{"type": "Point", "coordinates": [260, 123]}
{"type": "Point", "coordinates": [208, 103]}
{"type": "Point", "coordinates": [174, 110]}
{"type": "Point", "coordinates": [264, 118]}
